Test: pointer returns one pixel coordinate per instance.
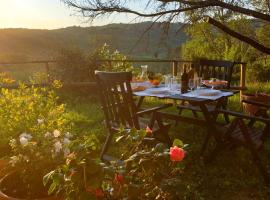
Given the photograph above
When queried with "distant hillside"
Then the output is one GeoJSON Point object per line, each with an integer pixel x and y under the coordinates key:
{"type": "Point", "coordinates": [44, 44]}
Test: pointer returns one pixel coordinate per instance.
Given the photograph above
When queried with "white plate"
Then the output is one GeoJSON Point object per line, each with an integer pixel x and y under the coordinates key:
{"type": "Point", "coordinates": [162, 90]}
{"type": "Point", "coordinates": [209, 92]}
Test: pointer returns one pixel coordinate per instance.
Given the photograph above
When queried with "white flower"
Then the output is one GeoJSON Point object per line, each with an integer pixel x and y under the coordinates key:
{"type": "Point", "coordinates": [40, 121]}
{"type": "Point", "coordinates": [66, 141]}
{"type": "Point", "coordinates": [27, 136]}
{"type": "Point", "coordinates": [48, 134]}
{"type": "Point", "coordinates": [23, 141]}
{"type": "Point", "coordinates": [13, 160]}
{"type": "Point", "coordinates": [66, 152]}
{"type": "Point", "coordinates": [58, 146]}
{"type": "Point", "coordinates": [68, 135]}
{"type": "Point", "coordinates": [12, 143]}
{"type": "Point", "coordinates": [56, 133]}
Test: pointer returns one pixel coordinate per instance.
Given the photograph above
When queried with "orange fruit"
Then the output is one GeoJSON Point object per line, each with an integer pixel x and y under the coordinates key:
{"type": "Point", "coordinates": [155, 82]}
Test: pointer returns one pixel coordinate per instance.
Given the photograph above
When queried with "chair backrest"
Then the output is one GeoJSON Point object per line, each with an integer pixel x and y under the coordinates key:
{"type": "Point", "coordinates": [116, 99]}
{"type": "Point", "coordinates": [216, 69]}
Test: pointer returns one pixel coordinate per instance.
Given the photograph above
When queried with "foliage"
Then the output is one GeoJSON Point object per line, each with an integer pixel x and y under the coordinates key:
{"type": "Point", "coordinates": [34, 124]}
{"type": "Point", "coordinates": [73, 65]}
{"type": "Point", "coordinates": [208, 43]}
{"type": "Point", "coordinates": [104, 53]}
{"type": "Point", "coordinates": [84, 177]}
{"type": "Point", "coordinates": [37, 153]}
{"type": "Point", "coordinates": [27, 105]}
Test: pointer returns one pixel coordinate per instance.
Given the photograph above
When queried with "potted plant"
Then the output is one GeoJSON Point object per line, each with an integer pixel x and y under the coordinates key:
{"type": "Point", "coordinates": [253, 109]}
{"type": "Point", "coordinates": [33, 155]}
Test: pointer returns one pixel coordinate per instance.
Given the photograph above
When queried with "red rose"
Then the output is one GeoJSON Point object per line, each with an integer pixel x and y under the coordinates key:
{"type": "Point", "coordinates": [149, 131]}
{"type": "Point", "coordinates": [119, 178]}
{"type": "Point", "coordinates": [176, 154]}
{"type": "Point", "coordinates": [99, 193]}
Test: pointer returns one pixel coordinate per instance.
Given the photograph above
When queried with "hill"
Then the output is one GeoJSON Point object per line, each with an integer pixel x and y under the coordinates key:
{"type": "Point", "coordinates": [29, 44]}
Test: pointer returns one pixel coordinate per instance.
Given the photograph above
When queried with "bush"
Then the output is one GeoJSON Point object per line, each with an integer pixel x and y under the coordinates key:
{"type": "Point", "coordinates": [75, 66]}
{"type": "Point", "coordinates": [21, 109]}
{"type": "Point", "coordinates": [259, 71]}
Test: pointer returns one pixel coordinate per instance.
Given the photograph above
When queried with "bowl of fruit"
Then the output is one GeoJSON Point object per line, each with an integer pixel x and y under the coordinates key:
{"type": "Point", "coordinates": [155, 79]}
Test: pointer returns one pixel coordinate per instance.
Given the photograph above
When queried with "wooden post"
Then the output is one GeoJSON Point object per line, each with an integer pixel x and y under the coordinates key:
{"type": "Point", "coordinates": [243, 77]}
{"type": "Point", "coordinates": [175, 68]}
{"type": "Point", "coordinates": [110, 65]}
{"type": "Point", "coordinates": [48, 72]}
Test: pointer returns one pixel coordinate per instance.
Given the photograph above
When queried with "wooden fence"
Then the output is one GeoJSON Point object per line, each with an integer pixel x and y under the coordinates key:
{"type": "Point", "coordinates": [175, 66]}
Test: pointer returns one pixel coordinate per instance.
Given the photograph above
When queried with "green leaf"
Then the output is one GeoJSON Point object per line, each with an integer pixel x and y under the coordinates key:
{"type": "Point", "coordinates": [52, 188]}
{"type": "Point", "coordinates": [48, 177]}
{"type": "Point", "coordinates": [120, 138]}
{"type": "Point", "coordinates": [178, 143]}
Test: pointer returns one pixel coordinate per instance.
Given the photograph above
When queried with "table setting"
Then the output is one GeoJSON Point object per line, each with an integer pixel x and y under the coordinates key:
{"type": "Point", "coordinates": [171, 87]}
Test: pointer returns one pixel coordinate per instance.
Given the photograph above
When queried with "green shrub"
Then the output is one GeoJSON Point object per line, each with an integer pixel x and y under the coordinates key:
{"type": "Point", "coordinates": [259, 71]}
{"type": "Point", "coordinates": [22, 108]}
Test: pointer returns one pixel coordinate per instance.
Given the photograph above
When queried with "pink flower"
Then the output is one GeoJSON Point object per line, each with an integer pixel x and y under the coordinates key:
{"type": "Point", "coordinates": [119, 178]}
{"type": "Point", "coordinates": [176, 154]}
{"type": "Point", "coordinates": [149, 131]}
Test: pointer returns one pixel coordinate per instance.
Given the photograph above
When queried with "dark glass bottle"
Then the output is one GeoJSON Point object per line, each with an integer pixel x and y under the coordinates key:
{"type": "Point", "coordinates": [184, 81]}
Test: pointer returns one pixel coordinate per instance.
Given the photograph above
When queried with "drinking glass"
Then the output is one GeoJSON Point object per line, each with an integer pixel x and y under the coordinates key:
{"type": "Point", "coordinates": [167, 80]}
{"type": "Point", "coordinates": [175, 85]}
{"type": "Point", "coordinates": [191, 85]}
{"type": "Point", "coordinates": [199, 82]}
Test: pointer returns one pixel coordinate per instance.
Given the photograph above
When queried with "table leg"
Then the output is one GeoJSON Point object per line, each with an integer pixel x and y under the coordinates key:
{"type": "Point", "coordinates": [139, 103]}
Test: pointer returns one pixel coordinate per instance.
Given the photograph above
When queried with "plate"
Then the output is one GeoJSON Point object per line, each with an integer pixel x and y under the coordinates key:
{"type": "Point", "coordinates": [158, 90]}
{"type": "Point", "coordinates": [209, 93]}
{"type": "Point", "coordinates": [215, 83]}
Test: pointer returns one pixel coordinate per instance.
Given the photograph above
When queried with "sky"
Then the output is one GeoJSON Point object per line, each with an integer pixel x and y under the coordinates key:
{"type": "Point", "coordinates": [46, 14]}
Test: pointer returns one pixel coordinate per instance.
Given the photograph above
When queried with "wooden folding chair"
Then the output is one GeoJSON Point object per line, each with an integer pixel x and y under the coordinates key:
{"type": "Point", "coordinates": [240, 133]}
{"type": "Point", "coordinates": [120, 109]}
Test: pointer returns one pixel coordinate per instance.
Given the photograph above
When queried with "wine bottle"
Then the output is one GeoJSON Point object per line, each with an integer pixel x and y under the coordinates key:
{"type": "Point", "coordinates": [184, 81]}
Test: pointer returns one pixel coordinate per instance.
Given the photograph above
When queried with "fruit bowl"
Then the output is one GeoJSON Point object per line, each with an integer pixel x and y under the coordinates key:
{"type": "Point", "coordinates": [155, 82]}
{"type": "Point", "coordinates": [155, 79]}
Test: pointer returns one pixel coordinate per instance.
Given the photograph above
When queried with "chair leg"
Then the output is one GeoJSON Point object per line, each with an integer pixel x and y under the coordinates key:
{"type": "Point", "coordinates": [163, 130]}
{"type": "Point", "coordinates": [106, 144]}
{"type": "Point", "coordinates": [195, 114]}
{"type": "Point", "coordinates": [205, 142]}
{"type": "Point", "coordinates": [254, 152]}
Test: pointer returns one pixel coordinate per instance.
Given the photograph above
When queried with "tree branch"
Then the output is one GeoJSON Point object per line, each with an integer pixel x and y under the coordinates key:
{"type": "Point", "coordinates": [212, 3]}
{"type": "Point", "coordinates": [119, 9]}
{"type": "Point", "coordinates": [239, 36]}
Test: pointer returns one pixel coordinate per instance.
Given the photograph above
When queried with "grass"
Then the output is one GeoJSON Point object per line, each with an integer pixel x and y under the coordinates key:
{"type": "Point", "coordinates": [231, 176]}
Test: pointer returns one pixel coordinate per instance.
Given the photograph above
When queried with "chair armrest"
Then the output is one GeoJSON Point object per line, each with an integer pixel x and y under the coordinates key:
{"type": "Point", "coordinates": [256, 103]}
{"type": "Point", "coordinates": [150, 110]}
{"type": "Point", "coordinates": [231, 90]}
{"type": "Point", "coordinates": [241, 115]}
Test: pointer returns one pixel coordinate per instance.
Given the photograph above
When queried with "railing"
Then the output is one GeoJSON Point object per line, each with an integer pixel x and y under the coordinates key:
{"type": "Point", "coordinates": [175, 66]}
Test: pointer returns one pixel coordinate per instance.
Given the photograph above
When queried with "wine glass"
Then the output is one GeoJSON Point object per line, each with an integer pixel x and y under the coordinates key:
{"type": "Point", "coordinates": [191, 85]}
{"type": "Point", "coordinates": [167, 80]}
{"type": "Point", "coordinates": [175, 85]}
{"type": "Point", "coordinates": [199, 82]}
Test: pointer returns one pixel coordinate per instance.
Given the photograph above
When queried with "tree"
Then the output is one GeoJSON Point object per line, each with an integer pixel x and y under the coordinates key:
{"type": "Point", "coordinates": [216, 12]}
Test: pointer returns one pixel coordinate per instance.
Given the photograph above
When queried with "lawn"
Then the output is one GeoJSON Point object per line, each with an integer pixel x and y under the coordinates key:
{"type": "Point", "coordinates": [231, 176]}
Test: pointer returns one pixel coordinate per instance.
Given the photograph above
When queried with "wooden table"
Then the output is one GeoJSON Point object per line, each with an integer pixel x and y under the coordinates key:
{"type": "Point", "coordinates": [209, 118]}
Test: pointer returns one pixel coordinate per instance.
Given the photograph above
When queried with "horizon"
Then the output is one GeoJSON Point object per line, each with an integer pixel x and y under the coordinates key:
{"type": "Point", "coordinates": [34, 15]}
